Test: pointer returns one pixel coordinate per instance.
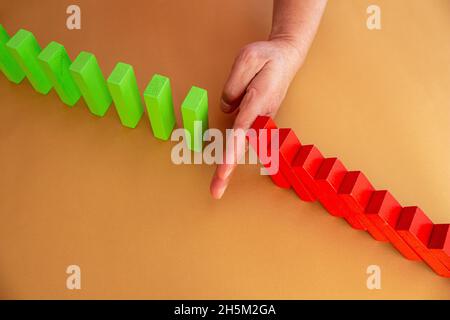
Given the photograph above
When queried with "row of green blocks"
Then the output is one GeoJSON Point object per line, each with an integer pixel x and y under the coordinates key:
{"type": "Point", "coordinates": [21, 56]}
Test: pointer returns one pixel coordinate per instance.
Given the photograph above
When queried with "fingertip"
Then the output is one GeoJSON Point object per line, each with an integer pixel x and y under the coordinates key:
{"type": "Point", "coordinates": [218, 188]}
{"type": "Point", "coordinates": [225, 106]}
{"type": "Point", "coordinates": [224, 171]}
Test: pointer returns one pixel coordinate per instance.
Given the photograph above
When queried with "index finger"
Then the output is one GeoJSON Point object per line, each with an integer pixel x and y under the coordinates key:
{"type": "Point", "coordinates": [248, 112]}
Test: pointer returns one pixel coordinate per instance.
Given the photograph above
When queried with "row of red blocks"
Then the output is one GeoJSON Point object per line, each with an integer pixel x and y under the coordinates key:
{"type": "Point", "coordinates": [350, 195]}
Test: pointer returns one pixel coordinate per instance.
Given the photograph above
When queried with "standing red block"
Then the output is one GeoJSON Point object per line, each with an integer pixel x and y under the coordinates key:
{"type": "Point", "coordinates": [415, 228]}
{"type": "Point", "coordinates": [328, 179]}
{"type": "Point", "coordinates": [289, 148]}
{"type": "Point", "coordinates": [305, 166]}
{"type": "Point", "coordinates": [440, 243]}
{"type": "Point", "coordinates": [384, 211]}
{"type": "Point", "coordinates": [356, 191]}
{"type": "Point", "coordinates": [264, 122]}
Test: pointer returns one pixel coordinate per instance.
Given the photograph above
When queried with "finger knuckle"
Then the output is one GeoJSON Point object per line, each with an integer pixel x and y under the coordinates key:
{"type": "Point", "coordinates": [252, 92]}
{"type": "Point", "coordinates": [248, 53]}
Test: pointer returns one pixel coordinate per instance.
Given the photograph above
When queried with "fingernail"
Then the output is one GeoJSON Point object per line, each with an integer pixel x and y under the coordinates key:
{"type": "Point", "coordinates": [226, 107]}
{"type": "Point", "coordinates": [227, 173]}
{"type": "Point", "coordinates": [221, 191]}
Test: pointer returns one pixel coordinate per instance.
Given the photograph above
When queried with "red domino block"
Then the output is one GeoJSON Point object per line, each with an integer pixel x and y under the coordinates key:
{"type": "Point", "coordinates": [289, 148]}
{"type": "Point", "coordinates": [384, 211]}
{"type": "Point", "coordinates": [328, 179]}
{"type": "Point", "coordinates": [440, 243]}
{"type": "Point", "coordinates": [264, 122]}
{"type": "Point", "coordinates": [305, 166]}
{"type": "Point", "coordinates": [356, 191]}
{"type": "Point", "coordinates": [415, 228]}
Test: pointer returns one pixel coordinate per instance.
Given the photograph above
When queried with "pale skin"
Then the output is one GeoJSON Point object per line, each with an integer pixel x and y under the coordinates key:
{"type": "Point", "coordinates": [263, 71]}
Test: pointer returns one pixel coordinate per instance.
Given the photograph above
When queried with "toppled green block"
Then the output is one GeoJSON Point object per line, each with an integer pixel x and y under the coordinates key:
{"type": "Point", "coordinates": [158, 98]}
{"type": "Point", "coordinates": [56, 62]}
{"type": "Point", "coordinates": [25, 49]}
{"type": "Point", "coordinates": [127, 99]}
{"type": "Point", "coordinates": [88, 76]}
{"type": "Point", "coordinates": [194, 110]}
{"type": "Point", "coordinates": [8, 65]}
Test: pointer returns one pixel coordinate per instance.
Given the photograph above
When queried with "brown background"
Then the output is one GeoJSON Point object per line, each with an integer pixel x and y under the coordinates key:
{"type": "Point", "coordinates": [75, 189]}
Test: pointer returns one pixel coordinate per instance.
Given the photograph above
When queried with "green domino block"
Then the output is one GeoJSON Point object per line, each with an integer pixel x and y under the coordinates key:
{"type": "Point", "coordinates": [158, 98]}
{"type": "Point", "coordinates": [89, 78]}
{"type": "Point", "coordinates": [55, 62]}
{"type": "Point", "coordinates": [8, 65]}
{"type": "Point", "coordinates": [194, 109]}
{"type": "Point", "coordinates": [127, 99]}
{"type": "Point", "coordinates": [25, 50]}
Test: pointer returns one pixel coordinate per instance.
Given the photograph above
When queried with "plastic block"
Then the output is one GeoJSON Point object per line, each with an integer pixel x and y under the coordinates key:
{"type": "Point", "coordinates": [384, 211]}
{"type": "Point", "coordinates": [56, 62]}
{"type": "Point", "coordinates": [194, 109]}
{"type": "Point", "coordinates": [261, 123]}
{"type": "Point", "coordinates": [440, 243]}
{"type": "Point", "coordinates": [415, 228]}
{"type": "Point", "coordinates": [87, 75]}
{"type": "Point", "coordinates": [305, 166]}
{"type": "Point", "coordinates": [289, 146]}
{"type": "Point", "coordinates": [123, 87]}
{"type": "Point", "coordinates": [355, 191]}
{"type": "Point", "coordinates": [158, 98]}
{"type": "Point", "coordinates": [8, 64]}
{"type": "Point", "coordinates": [25, 49]}
{"type": "Point", "coordinates": [328, 178]}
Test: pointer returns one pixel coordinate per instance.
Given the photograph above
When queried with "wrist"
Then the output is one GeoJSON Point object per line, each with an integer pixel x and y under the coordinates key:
{"type": "Point", "coordinates": [291, 46]}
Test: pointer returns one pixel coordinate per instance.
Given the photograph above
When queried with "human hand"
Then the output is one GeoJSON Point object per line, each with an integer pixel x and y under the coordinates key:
{"type": "Point", "coordinates": [257, 84]}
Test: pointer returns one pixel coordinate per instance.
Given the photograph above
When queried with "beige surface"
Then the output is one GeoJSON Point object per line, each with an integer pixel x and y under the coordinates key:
{"type": "Point", "coordinates": [75, 189]}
